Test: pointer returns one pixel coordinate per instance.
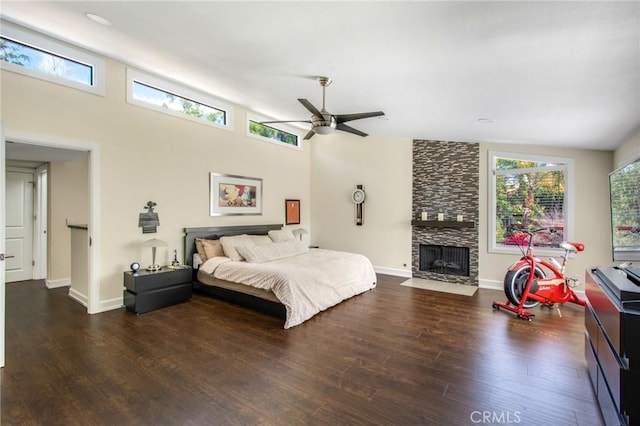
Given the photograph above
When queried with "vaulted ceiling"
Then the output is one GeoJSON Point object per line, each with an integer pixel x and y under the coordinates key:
{"type": "Point", "coordinates": [551, 73]}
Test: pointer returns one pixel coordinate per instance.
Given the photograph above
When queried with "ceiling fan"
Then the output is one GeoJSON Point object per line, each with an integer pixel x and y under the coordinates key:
{"type": "Point", "coordinates": [323, 122]}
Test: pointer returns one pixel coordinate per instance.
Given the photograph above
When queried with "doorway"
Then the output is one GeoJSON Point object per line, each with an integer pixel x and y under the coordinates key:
{"type": "Point", "coordinates": [55, 146]}
{"type": "Point", "coordinates": [61, 153]}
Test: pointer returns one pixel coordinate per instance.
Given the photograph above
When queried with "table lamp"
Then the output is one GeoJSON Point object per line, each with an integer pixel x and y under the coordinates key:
{"type": "Point", "coordinates": [299, 232]}
{"type": "Point", "coordinates": [154, 243]}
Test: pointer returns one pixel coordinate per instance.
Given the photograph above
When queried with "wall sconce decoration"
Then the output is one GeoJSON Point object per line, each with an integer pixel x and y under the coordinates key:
{"type": "Point", "coordinates": [149, 221]}
{"type": "Point", "coordinates": [154, 243]}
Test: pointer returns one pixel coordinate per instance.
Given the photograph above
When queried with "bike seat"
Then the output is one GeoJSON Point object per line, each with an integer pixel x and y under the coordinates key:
{"type": "Point", "coordinates": [572, 246]}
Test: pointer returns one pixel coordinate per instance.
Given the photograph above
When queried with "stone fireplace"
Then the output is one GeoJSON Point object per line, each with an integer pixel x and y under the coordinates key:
{"type": "Point", "coordinates": [445, 180]}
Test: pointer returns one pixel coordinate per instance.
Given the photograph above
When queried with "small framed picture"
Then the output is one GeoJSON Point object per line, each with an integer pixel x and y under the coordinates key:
{"type": "Point", "coordinates": [292, 212]}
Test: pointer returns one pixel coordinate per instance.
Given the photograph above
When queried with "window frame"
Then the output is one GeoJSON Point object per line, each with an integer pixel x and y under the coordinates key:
{"type": "Point", "coordinates": [56, 48]}
{"type": "Point", "coordinates": [181, 90]}
{"type": "Point", "coordinates": [567, 206]}
{"type": "Point", "coordinates": [282, 127]}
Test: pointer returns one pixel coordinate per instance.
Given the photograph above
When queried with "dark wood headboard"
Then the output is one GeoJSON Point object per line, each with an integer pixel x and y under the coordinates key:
{"type": "Point", "coordinates": [215, 232]}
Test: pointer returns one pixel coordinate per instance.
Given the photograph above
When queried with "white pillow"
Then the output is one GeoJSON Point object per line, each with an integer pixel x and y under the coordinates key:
{"type": "Point", "coordinates": [266, 252]}
{"type": "Point", "coordinates": [229, 245]}
{"type": "Point", "coordinates": [281, 235]}
{"type": "Point", "coordinates": [260, 239]}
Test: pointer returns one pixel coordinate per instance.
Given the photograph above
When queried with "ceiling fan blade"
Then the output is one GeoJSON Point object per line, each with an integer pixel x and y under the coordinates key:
{"type": "Point", "coordinates": [343, 118]}
{"type": "Point", "coordinates": [309, 135]}
{"type": "Point", "coordinates": [313, 110]}
{"type": "Point", "coordinates": [285, 121]}
{"type": "Point", "coordinates": [345, 128]}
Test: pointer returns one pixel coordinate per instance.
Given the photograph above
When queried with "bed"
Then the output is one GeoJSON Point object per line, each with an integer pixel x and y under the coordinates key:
{"type": "Point", "coordinates": [265, 269]}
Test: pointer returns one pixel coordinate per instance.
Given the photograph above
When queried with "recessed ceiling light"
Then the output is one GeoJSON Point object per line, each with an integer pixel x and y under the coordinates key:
{"type": "Point", "coordinates": [485, 120]}
{"type": "Point", "coordinates": [97, 18]}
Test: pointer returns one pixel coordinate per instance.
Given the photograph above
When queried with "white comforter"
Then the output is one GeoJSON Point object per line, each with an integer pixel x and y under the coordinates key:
{"type": "Point", "coordinates": [306, 283]}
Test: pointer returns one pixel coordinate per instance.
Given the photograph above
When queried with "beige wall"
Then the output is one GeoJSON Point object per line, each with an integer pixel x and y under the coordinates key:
{"type": "Point", "coordinates": [384, 167]}
{"type": "Point", "coordinates": [68, 201]}
{"type": "Point", "coordinates": [147, 155]}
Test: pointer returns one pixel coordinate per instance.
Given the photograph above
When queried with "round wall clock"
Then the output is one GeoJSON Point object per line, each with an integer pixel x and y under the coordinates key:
{"type": "Point", "coordinates": [358, 196]}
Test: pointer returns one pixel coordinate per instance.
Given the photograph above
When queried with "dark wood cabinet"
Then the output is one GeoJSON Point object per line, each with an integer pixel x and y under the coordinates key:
{"type": "Point", "coordinates": [612, 343]}
{"type": "Point", "coordinates": [146, 291]}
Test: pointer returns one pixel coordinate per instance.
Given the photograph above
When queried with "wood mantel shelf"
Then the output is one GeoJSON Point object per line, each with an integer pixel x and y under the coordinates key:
{"type": "Point", "coordinates": [442, 224]}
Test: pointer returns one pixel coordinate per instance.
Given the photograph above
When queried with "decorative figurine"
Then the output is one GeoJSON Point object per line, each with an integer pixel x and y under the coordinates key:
{"type": "Point", "coordinates": [175, 262]}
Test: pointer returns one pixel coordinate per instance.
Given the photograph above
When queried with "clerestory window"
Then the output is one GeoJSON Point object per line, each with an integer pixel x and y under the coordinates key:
{"type": "Point", "coordinates": [272, 133]}
{"type": "Point", "coordinates": [42, 57]}
{"type": "Point", "coordinates": [173, 98]}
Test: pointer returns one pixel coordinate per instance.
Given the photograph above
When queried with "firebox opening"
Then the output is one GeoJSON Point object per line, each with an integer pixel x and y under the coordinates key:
{"type": "Point", "coordinates": [447, 260]}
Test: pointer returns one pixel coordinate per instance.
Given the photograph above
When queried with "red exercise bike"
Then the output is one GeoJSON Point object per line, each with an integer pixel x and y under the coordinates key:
{"type": "Point", "coordinates": [547, 284]}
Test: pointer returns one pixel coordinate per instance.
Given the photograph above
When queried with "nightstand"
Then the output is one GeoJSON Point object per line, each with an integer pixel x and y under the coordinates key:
{"type": "Point", "coordinates": [150, 290]}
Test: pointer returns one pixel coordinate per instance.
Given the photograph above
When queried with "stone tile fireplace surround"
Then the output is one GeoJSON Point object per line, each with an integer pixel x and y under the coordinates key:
{"type": "Point", "coordinates": [445, 180]}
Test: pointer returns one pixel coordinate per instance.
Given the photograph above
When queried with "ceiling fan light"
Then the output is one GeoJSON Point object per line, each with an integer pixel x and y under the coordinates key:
{"type": "Point", "coordinates": [324, 125]}
{"type": "Point", "coordinates": [324, 130]}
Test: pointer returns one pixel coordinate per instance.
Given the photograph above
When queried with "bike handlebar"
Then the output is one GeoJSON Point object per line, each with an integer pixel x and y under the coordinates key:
{"type": "Point", "coordinates": [531, 233]}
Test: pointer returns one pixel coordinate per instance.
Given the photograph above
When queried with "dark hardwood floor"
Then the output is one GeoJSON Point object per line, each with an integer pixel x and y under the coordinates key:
{"type": "Point", "coordinates": [394, 355]}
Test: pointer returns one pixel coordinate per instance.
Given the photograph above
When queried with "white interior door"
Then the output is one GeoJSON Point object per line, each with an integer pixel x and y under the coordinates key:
{"type": "Point", "coordinates": [41, 223]}
{"type": "Point", "coordinates": [19, 225]}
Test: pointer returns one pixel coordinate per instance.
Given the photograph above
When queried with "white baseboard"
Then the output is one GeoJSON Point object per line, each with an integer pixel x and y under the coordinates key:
{"type": "Point", "coordinates": [78, 297]}
{"type": "Point", "coordinates": [393, 271]}
{"type": "Point", "coordinates": [105, 305]}
{"type": "Point", "coordinates": [62, 282]}
{"type": "Point", "coordinates": [110, 305]}
{"type": "Point", "coordinates": [491, 284]}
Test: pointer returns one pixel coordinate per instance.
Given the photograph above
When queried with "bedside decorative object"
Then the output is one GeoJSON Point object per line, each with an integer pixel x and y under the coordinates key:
{"type": "Point", "coordinates": [175, 262]}
{"type": "Point", "coordinates": [149, 221]}
{"type": "Point", "coordinates": [292, 212]}
{"type": "Point", "coordinates": [358, 197]}
{"type": "Point", "coordinates": [135, 266]}
{"type": "Point", "coordinates": [154, 243]}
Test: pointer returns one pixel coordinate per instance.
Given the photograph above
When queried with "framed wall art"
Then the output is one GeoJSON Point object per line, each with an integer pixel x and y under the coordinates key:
{"type": "Point", "coordinates": [292, 212]}
{"type": "Point", "coordinates": [234, 195]}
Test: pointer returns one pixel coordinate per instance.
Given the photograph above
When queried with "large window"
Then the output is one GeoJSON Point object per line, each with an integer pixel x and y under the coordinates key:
{"type": "Point", "coordinates": [624, 187]}
{"type": "Point", "coordinates": [37, 56]}
{"type": "Point", "coordinates": [172, 98]}
{"type": "Point", "coordinates": [527, 192]}
{"type": "Point", "coordinates": [270, 133]}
